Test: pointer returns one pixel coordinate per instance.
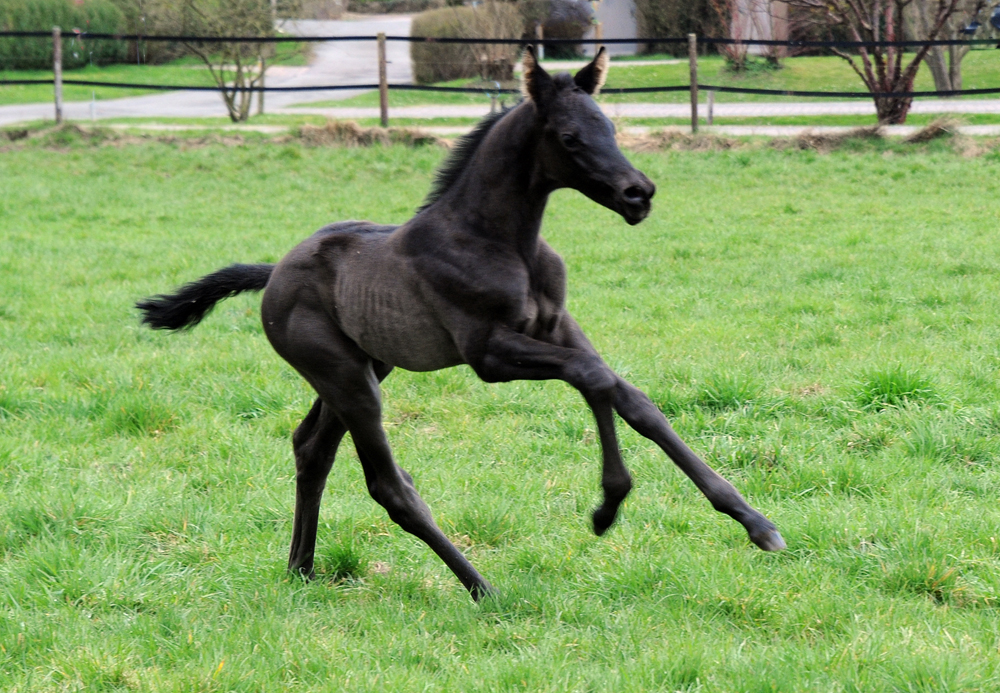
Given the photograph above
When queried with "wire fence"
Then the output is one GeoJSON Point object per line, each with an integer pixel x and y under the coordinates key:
{"type": "Point", "coordinates": [692, 85]}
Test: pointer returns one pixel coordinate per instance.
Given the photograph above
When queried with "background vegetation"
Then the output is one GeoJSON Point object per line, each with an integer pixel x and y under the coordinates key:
{"type": "Point", "coordinates": [822, 328]}
{"type": "Point", "coordinates": [98, 16]}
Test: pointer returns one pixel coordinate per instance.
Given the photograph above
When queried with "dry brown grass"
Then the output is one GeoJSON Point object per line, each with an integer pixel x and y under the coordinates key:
{"type": "Point", "coordinates": [940, 127]}
{"type": "Point", "coordinates": [829, 141]}
{"type": "Point", "coordinates": [673, 140]}
{"type": "Point", "coordinates": [349, 134]}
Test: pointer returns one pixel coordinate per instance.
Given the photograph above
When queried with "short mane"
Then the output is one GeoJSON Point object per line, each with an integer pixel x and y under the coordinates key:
{"type": "Point", "coordinates": [461, 154]}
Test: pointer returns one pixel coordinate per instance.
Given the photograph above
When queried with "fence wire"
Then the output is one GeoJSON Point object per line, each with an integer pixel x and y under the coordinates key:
{"type": "Point", "coordinates": [716, 43]}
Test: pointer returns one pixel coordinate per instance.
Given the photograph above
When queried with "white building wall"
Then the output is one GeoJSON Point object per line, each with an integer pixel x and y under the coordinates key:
{"type": "Point", "coordinates": [617, 18]}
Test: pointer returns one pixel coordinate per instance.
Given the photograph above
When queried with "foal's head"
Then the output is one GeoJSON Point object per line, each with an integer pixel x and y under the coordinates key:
{"type": "Point", "coordinates": [578, 148]}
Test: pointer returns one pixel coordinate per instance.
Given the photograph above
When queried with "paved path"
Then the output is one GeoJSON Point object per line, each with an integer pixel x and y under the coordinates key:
{"type": "Point", "coordinates": [334, 62]}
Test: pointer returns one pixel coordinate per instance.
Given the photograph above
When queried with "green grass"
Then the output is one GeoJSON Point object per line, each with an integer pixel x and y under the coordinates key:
{"type": "Point", "coordinates": [146, 480]}
{"type": "Point", "coordinates": [188, 72]}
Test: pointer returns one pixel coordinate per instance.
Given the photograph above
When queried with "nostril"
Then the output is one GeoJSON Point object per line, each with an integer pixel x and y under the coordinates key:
{"type": "Point", "coordinates": [634, 193]}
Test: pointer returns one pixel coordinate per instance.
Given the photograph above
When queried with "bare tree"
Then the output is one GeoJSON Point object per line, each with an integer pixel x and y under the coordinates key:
{"type": "Point", "coordinates": [237, 67]}
{"type": "Point", "coordinates": [882, 68]}
{"type": "Point", "coordinates": [747, 20]}
{"type": "Point", "coordinates": [944, 62]}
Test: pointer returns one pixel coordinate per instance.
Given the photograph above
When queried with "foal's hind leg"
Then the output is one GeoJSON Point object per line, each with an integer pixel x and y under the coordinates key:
{"type": "Point", "coordinates": [315, 442]}
{"type": "Point", "coordinates": [393, 488]}
{"type": "Point", "coordinates": [347, 382]}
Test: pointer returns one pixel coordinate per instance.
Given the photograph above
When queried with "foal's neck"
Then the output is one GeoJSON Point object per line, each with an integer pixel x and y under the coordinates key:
{"type": "Point", "coordinates": [501, 195]}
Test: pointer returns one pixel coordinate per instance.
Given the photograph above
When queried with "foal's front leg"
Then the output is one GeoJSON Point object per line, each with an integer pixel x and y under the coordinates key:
{"type": "Point", "coordinates": [639, 412]}
{"type": "Point", "coordinates": [509, 355]}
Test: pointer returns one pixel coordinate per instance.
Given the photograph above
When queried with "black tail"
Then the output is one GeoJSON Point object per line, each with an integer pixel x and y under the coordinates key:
{"type": "Point", "coordinates": [194, 301]}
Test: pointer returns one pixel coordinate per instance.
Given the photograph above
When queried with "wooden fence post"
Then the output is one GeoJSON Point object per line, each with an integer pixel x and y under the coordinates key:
{"type": "Point", "coordinates": [540, 35]}
{"type": "Point", "coordinates": [693, 62]}
{"type": "Point", "coordinates": [709, 117]}
{"type": "Point", "coordinates": [383, 82]}
{"type": "Point", "coordinates": [57, 70]}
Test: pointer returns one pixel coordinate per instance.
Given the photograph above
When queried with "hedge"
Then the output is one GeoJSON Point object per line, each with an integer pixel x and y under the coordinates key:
{"type": "Point", "coordinates": [442, 62]}
{"type": "Point", "coordinates": [98, 16]}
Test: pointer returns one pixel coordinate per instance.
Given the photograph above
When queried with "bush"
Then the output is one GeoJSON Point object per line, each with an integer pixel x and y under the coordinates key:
{"type": "Point", "coordinates": [98, 16]}
{"type": "Point", "coordinates": [149, 17]}
{"type": "Point", "coordinates": [393, 6]}
{"type": "Point", "coordinates": [676, 18]}
{"type": "Point", "coordinates": [442, 62]}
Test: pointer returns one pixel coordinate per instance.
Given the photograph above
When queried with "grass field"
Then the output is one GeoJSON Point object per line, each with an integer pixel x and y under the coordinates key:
{"type": "Point", "coordinates": [824, 329]}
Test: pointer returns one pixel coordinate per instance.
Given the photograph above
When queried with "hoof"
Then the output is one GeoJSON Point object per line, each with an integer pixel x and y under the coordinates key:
{"type": "Point", "coordinates": [603, 518]}
{"type": "Point", "coordinates": [768, 540]}
{"type": "Point", "coordinates": [483, 591]}
{"type": "Point", "coordinates": [304, 573]}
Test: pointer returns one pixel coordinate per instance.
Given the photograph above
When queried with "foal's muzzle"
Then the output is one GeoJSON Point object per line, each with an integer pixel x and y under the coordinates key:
{"type": "Point", "coordinates": [634, 196]}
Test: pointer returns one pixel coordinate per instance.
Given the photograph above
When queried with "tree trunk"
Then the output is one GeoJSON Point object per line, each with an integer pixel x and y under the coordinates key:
{"type": "Point", "coordinates": [955, 55]}
{"type": "Point", "coordinates": [893, 111]}
{"type": "Point", "coordinates": [939, 68]}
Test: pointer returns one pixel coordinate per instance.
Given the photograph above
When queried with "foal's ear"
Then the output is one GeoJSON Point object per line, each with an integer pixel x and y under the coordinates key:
{"type": "Point", "coordinates": [592, 77]}
{"type": "Point", "coordinates": [536, 83]}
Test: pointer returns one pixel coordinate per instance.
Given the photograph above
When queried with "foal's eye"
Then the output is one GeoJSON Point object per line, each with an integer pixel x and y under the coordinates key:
{"type": "Point", "coordinates": [569, 140]}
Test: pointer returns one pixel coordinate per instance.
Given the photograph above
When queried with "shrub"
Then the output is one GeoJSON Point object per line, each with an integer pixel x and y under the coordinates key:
{"type": "Point", "coordinates": [393, 6]}
{"type": "Point", "coordinates": [98, 16]}
{"type": "Point", "coordinates": [148, 17]}
{"type": "Point", "coordinates": [441, 62]}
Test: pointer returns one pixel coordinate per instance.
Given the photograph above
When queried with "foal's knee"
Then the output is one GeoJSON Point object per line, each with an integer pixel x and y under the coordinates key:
{"type": "Point", "coordinates": [404, 508]}
{"type": "Point", "coordinates": [591, 376]}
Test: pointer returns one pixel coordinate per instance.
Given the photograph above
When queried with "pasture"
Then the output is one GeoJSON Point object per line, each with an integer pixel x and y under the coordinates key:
{"type": "Point", "coordinates": [823, 329]}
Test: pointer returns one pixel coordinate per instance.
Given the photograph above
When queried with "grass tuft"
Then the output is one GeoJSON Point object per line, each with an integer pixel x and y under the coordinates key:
{"type": "Point", "coordinates": [728, 390]}
{"type": "Point", "coordinates": [893, 387]}
{"type": "Point", "coordinates": [342, 560]}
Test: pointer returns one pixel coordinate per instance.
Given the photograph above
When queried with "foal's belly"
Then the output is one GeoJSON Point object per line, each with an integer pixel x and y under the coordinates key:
{"type": "Point", "coordinates": [381, 309]}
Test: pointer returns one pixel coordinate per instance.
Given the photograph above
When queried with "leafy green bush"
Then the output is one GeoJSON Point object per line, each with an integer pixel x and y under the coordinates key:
{"type": "Point", "coordinates": [393, 6]}
{"type": "Point", "coordinates": [150, 17]}
{"type": "Point", "coordinates": [98, 16]}
{"type": "Point", "coordinates": [441, 62]}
